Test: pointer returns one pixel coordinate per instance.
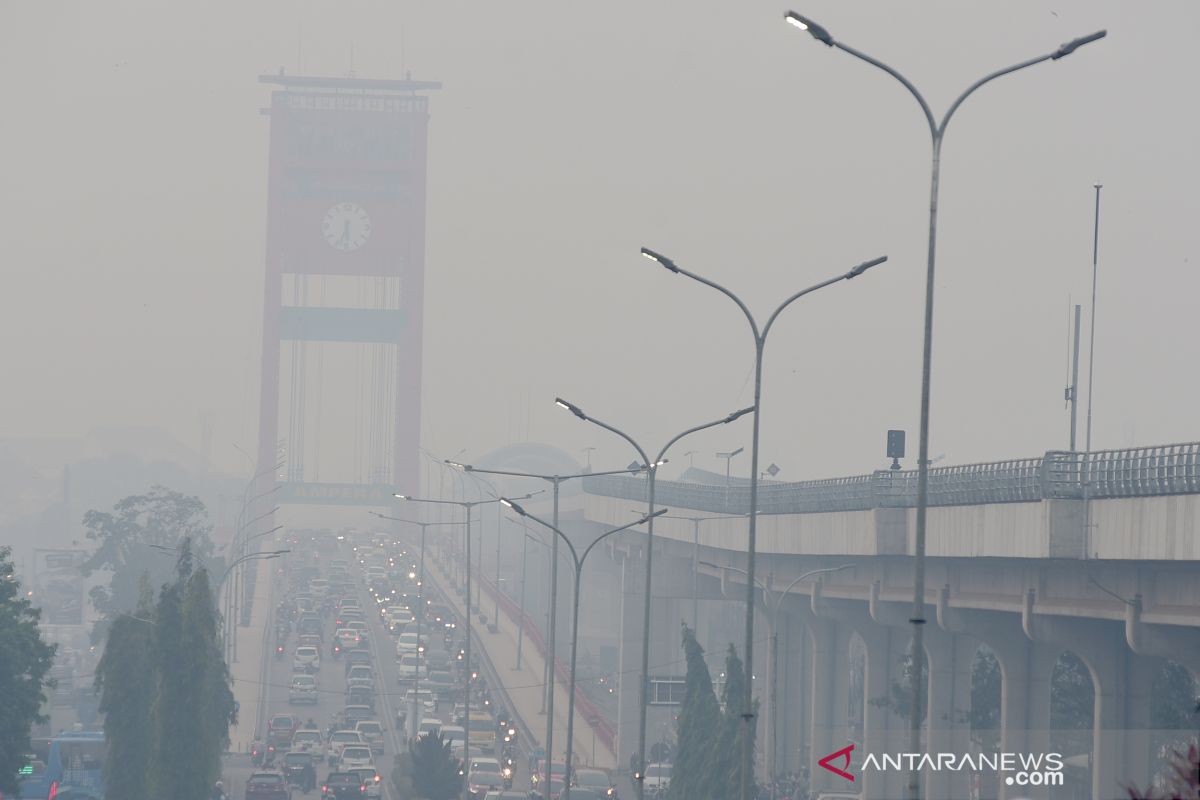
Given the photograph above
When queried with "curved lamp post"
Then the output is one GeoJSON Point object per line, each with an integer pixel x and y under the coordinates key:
{"type": "Point", "coordinates": [652, 468]}
{"type": "Point", "coordinates": [937, 132]}
{"type": "Point", "coordinates": [760, 340]}
{"type": "Point", "coordinates": [466, 505]}
{"type": "Point", "coordinates": [552, 625]}
{"type": "Point", "coordinates": [578, 559]}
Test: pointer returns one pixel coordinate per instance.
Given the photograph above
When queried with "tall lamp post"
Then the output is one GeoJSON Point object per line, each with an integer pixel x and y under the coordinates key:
{"type": "Point", "coordinates": [578, 559]}
{"type": "Point", "coordinates": [772, 607]}
{"type": "Point", "coordinates": [551, 638]}
{"type": "Point", "coordinates": [760, 340]}
{"type": "Point", "coordinates": [527, 538]}
{"type": "Point", "coordinates": [937, 132]}
{"type": "Point", "coordinates": [695, 557]}
{"type": "Point", "coordinates": [651, 466]}
{"type": "Point", "coordinates": [466, 505]}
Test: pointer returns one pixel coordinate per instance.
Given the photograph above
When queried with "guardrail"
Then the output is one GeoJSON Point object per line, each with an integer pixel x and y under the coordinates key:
{"type": "Point", "coordinates": [1135, 472]}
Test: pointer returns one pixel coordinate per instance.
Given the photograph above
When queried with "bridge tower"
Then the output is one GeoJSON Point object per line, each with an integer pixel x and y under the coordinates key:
{"type": "Point", "coordinates": [340, 404]}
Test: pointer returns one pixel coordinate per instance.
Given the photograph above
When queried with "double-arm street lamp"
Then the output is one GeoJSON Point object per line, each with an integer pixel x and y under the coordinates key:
{"type": "Point", "coordinates": [551, 634]}
{"type": "Point", "coordinates": [760, 340]}
{"type": "Point", "coordinates": [578, 559]}
{"type": "Point", "coordinates": [772, 606]}
{"type": "Point", "coordinates": [651, 465]}
{"type": "Point", "coordinates": [937, 131]}
{"type": "Point", "coordinates": [466, 505]}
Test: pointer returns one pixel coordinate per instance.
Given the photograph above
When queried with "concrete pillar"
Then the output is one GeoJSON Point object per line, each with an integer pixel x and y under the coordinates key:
{"type": "Point", "coordinates": [950, 658]}
{"type": "Point", "coordinates": [1139, 759]}
{"type": "Point", "coordinates": [792, 727]}
{"type": "Point", "coordinates": [879, 721]}
{"type": "Point", "coordinates": [823, 642]}
{"type": "Point", "coordinates": [629, 657]}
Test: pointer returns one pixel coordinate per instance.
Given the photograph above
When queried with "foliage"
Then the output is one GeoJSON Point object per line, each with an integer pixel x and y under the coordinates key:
{"type": "Point", "coordinates": [134, 539]}
{"type": "Point", "coordinates": [192, 706]}
{"type": "Point", "coordinates": [900, 693]}
{"type": "Point", "coordinates": [699, 720]}
{"type": "Point", "coordinates": [1184, 783]}
{"type": "Point", "coordinates": [123, 678]}
{"type": "Point", "coordinates": [985, 697]}
{"type": "Point", "coordinates": [427, 770]}
{"type": "Point", "coordinates": [25, 661]}
{"type": "Point", "coordinates": [727, 761]}
{"type": "Point", "coordinates": [1172, 698]}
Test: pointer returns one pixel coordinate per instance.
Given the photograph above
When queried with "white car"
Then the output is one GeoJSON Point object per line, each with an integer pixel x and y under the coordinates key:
{"type": "Point", "coordinates": [427, 698]}
{"type": "Point", "coordinates": [429, 725]}
{"type": "Point", "coordinates": [658, 776]}
{"type": "Point", "coordinates": [371, 731]}
{"type": "Point", "coordinates": [408, 642]}
{"type": "Point", "coordinates": [309, 740]}
{"type": "Point", "coordinates": [408, 668]}
{"type": "Point", "coordinates": [302, 690]}
{"type": "Point", "coordinates": [485, 774]}
{"type": "Point", "coordinates": [307, 659]}
{"type": "Point", "coordinates": [341, 739]}
{"type": "Point", "coordinates": [354, 756]}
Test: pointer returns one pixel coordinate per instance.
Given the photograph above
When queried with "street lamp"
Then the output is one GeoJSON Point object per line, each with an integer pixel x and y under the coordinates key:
{"type": "Point", "coordinates": [728, 460]}
{"type": "Point", "coordinates": [551, 638]}
{"type": "Point", "coordinates": [651, 465]}
{"type": "Point", "coordinates": [760, 340]}
{"type": "Point", "coordinates": [527, 538]}
{"type": "Point", "coordinates": [263, 554]}
{"type": "Point", "coordinates": [578, 559]}
{"type": "Point", "coordinates": [695, 558]}
{"type": "Point", "coordinates": [773, 619]}
{"type": "Point", "coordinates": [937, 132]}
{"type": "Point", "coordinates": [466, 505]}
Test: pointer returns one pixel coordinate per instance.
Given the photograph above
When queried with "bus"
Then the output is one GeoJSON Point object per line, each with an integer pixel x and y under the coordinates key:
{"type": "Point", "coordinates": [74, 761]}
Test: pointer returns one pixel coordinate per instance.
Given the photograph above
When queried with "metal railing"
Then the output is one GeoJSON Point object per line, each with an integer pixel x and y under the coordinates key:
{"type": "Point", "coordinates": [1134, 472]}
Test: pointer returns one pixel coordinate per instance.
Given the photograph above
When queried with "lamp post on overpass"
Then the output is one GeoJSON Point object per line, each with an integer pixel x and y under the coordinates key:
{"type": "Point", "coordinates": [551, 639]}
{"type": "Point", "coordinates": [760, 341]}
{"type": "Point", "coordinates": [696, 557]}
{"type": "Point", "coordinates": [772, 607]}
{"type": "Point", "coordinates": [578, 559]}
{"type": "Point", "coordinates": [651, 465]}
{"type": "Point", "coordinates": [466, 505]}
{"type": "Point", "coordinates": [937, 132]}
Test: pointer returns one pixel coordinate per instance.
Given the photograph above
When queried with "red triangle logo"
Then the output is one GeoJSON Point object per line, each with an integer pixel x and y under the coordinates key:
{"type": "Point", "coordinates": [843, 753]}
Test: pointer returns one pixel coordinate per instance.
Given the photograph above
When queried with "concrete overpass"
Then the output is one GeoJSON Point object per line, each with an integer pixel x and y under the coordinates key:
{"type": "Point", "coordinates": [1029, 557]}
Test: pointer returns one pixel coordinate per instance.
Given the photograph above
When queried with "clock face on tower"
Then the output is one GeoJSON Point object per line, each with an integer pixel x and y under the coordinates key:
{"type": "Point", "coordinates": [346, 227]}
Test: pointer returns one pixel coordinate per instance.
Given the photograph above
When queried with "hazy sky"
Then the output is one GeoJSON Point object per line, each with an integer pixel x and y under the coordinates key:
{"type": "Point", "coordinates": [568, 135]}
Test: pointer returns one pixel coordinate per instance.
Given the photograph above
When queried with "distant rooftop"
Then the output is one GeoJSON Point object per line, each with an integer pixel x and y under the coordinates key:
{"type": "Point", "coordinates": [351, 84]}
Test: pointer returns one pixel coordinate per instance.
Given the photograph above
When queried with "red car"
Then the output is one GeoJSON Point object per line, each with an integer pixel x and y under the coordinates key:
{"type": "Point", "coordinates": [267, 786]}
{"type": "Point", "coordinates": [280, 729]}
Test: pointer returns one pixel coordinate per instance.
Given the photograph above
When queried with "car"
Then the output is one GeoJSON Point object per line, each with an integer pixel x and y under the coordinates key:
{"type": "Point", "coordinates": [506, 796]}
{"type": "Point", "coordinates": [309, 625]}
{"type": "Point", "coordinates": [340, 739]}
{"type": "Point", "coordinates": [408, 667]}
{"type": "Point", "coordinates": [486, 774]}
{"type": "Point", "coordinates": [309, 740]}
{"type": "Point", "coordinates": [427, 700]}
{"type": "Point", "coordinates": [408, 643]}
{"type": "Point", "coordinates": [306, 659]}
{"type": "Point", "coordinates": [429, 725]}
{"type": "Point", "coordinates": [299, 768]}
{"type": "Point", "coordinates": [308, 640]}
{"type": "Point", "coordinates": [280, 728]}
{"type": "Point", "coordinates": [359, 671]}
{"type": "Point", "coordinates": [267, 786]}
{"type": "Point", "coordinates": [302, 690]}
{"type": "Point", "coordinates": [371, 731]}
{"type": "Point", "coordinates": [481, 731]}
{"type": "Point", "coordinates": [441, 682]}
{"type": "Point", "coordinates": [371, 779]}
{"type": "Point", "coordinates": [358, 655]}
{"type": "Point", "coordinates": [354, 756]}
{"type": "Point", "coordinates": [356, 713]}
{"type": "Point", "coordinates": [343, 786]}
{"type": "Point", "coordinates": [596, 780]}
{"type": "Point", "coordinates": [658, 776]}
{"type": "Point", "coordinates": [558, 772]}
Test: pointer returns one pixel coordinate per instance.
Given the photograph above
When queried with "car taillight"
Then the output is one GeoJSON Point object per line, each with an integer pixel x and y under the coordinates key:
{"type": "Point", "coordinates": [324, 789]}
{"type": "Point", "coordinates": [53, 791]}
{"type": "Point", "coordinates": [362, 787]}
{"type": "Point", "coordinates": [378, 778]}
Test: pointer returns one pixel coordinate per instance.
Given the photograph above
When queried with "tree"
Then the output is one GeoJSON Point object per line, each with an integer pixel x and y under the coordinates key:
{"type": "Point", "coordinates": [209, 677]}
{"type": "Point", "coordinates": [698, 721]}
{"type": "Point", "coordinates": [25, 661]}
{"type": "Point", "coordinates": [131, 540]}
{"type": "Point", "coordinates": [985, 698]}
{"type": "Point", "coordinates": [125, 678]}
{"type": "Point", "coordinates": [428, 770]}
{"type": "Point", "coordinates": [727, 760]}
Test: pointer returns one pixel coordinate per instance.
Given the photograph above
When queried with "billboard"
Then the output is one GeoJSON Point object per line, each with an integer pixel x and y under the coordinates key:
{"type": "Point", "coordinates": [58, 585]}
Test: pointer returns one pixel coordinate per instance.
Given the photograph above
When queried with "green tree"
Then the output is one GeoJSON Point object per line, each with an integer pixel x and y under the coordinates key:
{"type": "Point", "coordinates": [25, 661]}
{"type": "Point", "coordinates": [125, 678]}
{"type": "Point", "coordinates": [727, 761]}
{"type": "Point", "coordinates": [697, 724]}
{"type": "Point", "coordinates": [131, 541]}
{"type": "Point", "coordinates": [985, 698]}
{"type": "Point", "coordinates": [427, 770]}
{"type": "Point", "coordinates": [209, 678]}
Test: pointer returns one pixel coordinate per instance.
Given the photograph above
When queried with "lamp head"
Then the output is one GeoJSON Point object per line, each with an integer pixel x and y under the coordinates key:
{"type": "Point", "coordinates": [513, 506]}
{"type": "Point", "coordinates": [863, 267]}
{"type": "Point", "coordinates": [457, 465]}
{"type": "Point", "coordinates": [400, 496]}
{"type": "Point", "coordinates": [738, 414]}
{"type": "Point", "coordinates": [806, 24]}
{"type": "Point", "coordinates": [660, 258]}
{"type": "Point", "coordinates": [1075, 44]}
{"type": "Point", "coordinates": [574, 409]}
